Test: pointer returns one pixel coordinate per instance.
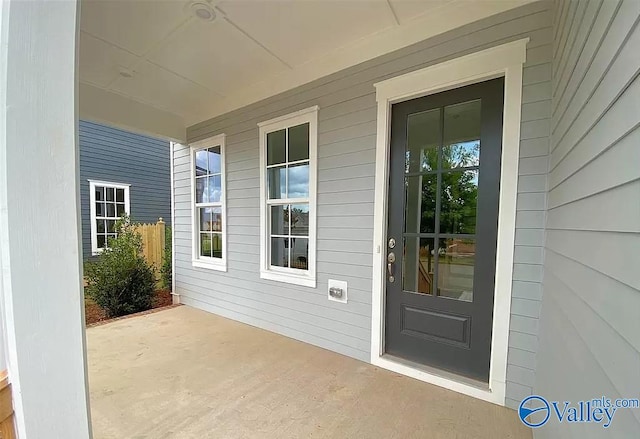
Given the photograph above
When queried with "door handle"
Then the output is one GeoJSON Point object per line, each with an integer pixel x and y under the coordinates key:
{"type": "Point", "coordinates": [391, 258]}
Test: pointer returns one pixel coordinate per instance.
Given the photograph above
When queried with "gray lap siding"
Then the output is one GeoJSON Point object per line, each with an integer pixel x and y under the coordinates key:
{"type": "Point", "coordinates": [346, 172]}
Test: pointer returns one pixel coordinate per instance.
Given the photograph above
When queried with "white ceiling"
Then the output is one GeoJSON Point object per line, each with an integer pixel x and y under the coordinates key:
{"type": "Point", "coordinates": [197, 69]}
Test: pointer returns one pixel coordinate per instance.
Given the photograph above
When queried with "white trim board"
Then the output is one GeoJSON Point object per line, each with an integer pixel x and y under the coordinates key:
{"type": "Point", "coordinates": [505, 60]}
{"type": "Point", "coordinates": [175, 297]}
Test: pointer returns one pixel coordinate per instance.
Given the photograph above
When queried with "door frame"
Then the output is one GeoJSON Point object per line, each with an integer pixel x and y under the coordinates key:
{"type": "Point", "coordinates": [505, 61]}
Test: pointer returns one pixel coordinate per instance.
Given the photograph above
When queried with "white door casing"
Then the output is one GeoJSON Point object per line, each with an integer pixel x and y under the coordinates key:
{"type": "Point", "coordinates": [505, 60]}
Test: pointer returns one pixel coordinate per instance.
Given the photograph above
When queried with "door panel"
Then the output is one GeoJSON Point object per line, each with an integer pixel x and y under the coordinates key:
{"type": "Point", "coordinates": [443, 212]}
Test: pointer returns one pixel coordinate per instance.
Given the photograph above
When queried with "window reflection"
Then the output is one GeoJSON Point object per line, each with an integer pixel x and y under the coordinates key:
{"type": "Point", "coordinates": [441, 200]}
{"type": "Point", "coordinates": [208, 194]}
{"type": "Point", "coordinates": [423, 139]}
{"type": "Point", "coordinates": [287, 182]}
{"type": "Point", "coordinates": [455, 268]}
{"type": "Point", "coordinates": [458, 202]}
{"type": "Point", "coordinates": [461, 146]}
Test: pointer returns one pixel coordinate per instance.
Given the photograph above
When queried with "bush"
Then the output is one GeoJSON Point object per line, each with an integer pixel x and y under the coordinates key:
{"type": "Point", "coordinates": [121, 281]}
{"type": "Point", "coordinates": [166, 269]}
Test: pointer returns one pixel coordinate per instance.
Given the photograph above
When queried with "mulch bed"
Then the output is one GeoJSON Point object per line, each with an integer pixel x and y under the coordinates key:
{"type": "Point", "coordinates": [94, 314]}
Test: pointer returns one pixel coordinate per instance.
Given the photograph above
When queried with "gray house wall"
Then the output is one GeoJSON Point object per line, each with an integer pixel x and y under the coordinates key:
{"type": "Point", "coordinates": [590, 323]}
{"type": "Point", "coordinates": [117, 156]}
{"type": "Point", "coordinates": [346, 166]}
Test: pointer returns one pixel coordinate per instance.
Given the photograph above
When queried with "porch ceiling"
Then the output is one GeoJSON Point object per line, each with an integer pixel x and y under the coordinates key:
{"type": "Point", "coordinates": [184, 373]}
{"type": "Point", "coordinates": [185, 69]}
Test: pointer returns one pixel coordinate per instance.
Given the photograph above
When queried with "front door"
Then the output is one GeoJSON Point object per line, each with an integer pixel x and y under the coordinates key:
{"type": "Point", "coordinates": [444, 183]}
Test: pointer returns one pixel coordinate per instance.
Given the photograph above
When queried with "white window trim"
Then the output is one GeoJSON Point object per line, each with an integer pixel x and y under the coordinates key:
{"type": "Point", "coordinates": [92, 208]}
{"type": "Point", "coordinates": [219, 264]}
{"type": "Point", "coordinates": [501, 61]}
{"type": "Point", "coordinates": [288, 275]}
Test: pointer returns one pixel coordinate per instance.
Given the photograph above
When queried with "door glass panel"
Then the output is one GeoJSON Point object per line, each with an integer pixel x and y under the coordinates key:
{"type": "Point", "coordinates": [461, 146]}
{"type": "Point", "coordinates": [418, 265]}
{"type": "Point", "coordinates": [458, 202]}
{"type": "Point", "coordinates": [441, 200]}
{"type": "Point", "coordinates": [423, 140]}
{"type": "Point", "coordinates": [420, 203]}
{"type": "Point", "coordinates": [456, 260]}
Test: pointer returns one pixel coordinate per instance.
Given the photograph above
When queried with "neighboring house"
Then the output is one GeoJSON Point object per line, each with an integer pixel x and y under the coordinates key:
{"type": "Point", "coordinates": [120, 172]}
{"type": "Point", "coordinates": [496, 272]}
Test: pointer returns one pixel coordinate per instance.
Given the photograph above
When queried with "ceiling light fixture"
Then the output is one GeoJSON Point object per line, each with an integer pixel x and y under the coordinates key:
{"type": "Point", "coordinates": [202, 10]}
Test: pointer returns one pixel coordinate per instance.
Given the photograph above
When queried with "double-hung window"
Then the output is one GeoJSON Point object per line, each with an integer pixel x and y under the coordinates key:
{"type": "Point", "coordinates": [109, 201]}
{"type": "Point", "coordinates": [209, 210]}
{"type": "Point", "coordinates": [288, 156]}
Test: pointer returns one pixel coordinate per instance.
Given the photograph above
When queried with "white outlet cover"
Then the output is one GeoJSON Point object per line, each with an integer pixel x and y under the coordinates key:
{"type": "Point", "coordinates": [338, 284]}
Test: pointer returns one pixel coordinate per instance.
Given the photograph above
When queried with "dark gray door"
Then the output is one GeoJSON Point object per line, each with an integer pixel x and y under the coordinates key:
{"type": "Point", "coordinates": [444, 182]}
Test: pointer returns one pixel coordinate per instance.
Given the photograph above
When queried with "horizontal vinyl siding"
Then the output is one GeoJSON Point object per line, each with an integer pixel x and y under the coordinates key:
{"type": "Point", "coordinates": [590, 319]}
{"type": "Point", "coordinates": [117, 156]}
{"type": "Point", "coordinates": [346, 171]}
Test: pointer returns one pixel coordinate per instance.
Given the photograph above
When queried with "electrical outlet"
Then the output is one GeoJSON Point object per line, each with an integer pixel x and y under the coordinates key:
{"type": "Point", "coordinates": [337, 291]}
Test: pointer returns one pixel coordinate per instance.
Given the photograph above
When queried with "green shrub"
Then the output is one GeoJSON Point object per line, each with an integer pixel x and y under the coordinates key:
{"type": "Point", "coordinates": [120, 280]}
{"type": "Point", "coordinates": [166, 269]}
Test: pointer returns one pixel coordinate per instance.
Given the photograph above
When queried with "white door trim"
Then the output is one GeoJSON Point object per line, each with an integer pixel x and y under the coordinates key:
{"type": "Point", "coordinates": [505, 60]}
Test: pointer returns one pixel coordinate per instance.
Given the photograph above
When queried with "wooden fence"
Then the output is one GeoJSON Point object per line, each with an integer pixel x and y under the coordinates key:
{"type": "Point", "coordinates": [153, 242]}
{"type": "Point", "coordinates": [7, 429]}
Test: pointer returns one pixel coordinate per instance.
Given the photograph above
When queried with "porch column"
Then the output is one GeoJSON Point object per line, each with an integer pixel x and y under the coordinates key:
{"type": "Point", "coordinates": [39, 219]}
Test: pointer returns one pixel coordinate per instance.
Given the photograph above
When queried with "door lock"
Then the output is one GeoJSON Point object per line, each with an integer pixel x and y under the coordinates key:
{"type": "Point", "coordinates": [392, 243]}
{"type": "Point", "coordinates": [391, 258]}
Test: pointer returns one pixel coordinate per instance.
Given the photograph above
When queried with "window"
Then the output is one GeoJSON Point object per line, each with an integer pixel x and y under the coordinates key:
{"type": "Point", "coordinates": [288, 150]}
{"type": "Point", "coordinates": [209, 212]}
{"type": "Point", "coordinates": [109, 201]}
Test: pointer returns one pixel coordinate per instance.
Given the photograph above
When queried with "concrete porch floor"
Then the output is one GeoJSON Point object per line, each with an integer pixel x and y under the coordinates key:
{"type": "Point", "coordinates": [184, 373]}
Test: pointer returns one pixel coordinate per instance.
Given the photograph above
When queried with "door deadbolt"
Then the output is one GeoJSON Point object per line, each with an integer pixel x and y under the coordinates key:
{"type": "Point", "coordinates": [392, 243]}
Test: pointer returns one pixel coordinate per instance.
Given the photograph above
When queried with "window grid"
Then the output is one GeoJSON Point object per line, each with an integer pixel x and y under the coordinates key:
{"type": "Point", "coordinates": [109, 202]}
{"type": "Point", "coordinates": [212, 233]}
{"type": "Point", "coordinates": [289, 239]}
{"type": "Point", "coordinates": [209, 219]}
{"type": "Point", "coordinates": [288, 161]}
